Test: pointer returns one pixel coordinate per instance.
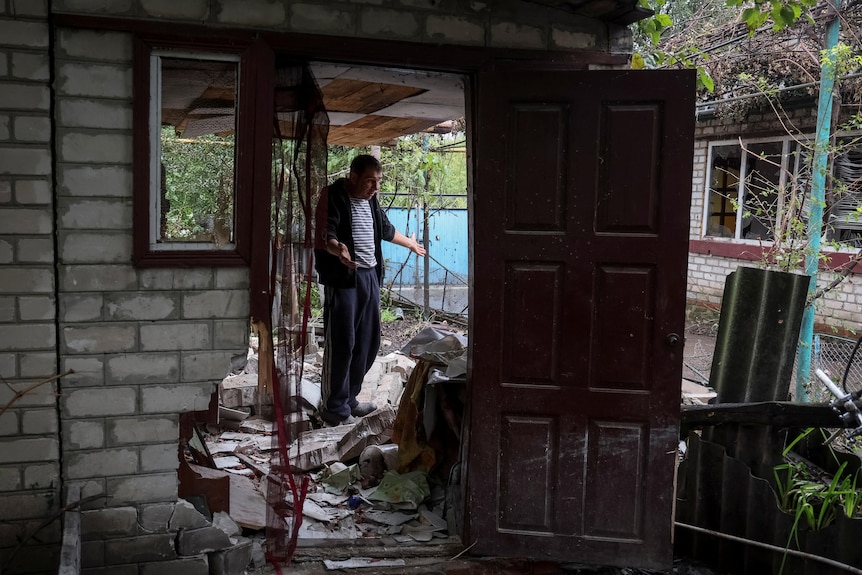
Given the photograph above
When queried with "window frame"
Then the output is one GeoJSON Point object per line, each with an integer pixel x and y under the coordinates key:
{"type": "Point", "coordinates": [786, 143]}
{"type": "Point", "coordinates": [146, 127]}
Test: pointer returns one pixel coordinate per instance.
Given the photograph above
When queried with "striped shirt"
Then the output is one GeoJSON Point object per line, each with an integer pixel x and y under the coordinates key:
{"type": "Point", "coordinates": [363, 232]}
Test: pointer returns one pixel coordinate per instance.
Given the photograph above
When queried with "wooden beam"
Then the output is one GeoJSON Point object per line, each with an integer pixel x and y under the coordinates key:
{"type": "Point", "coordinates": [779, 414]}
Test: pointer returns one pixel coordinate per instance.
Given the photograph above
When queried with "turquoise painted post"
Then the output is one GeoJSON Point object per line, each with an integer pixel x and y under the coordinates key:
{"type": "Point", "coordinates": [815, 217]}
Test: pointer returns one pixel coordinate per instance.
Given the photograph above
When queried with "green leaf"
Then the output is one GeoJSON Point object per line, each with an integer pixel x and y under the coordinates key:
{"type": "Point", "coordinates": [638, 62]}
{"type": "Point", "coordinates": [664, 20]}
{"type": "Point", "coordinates": [705, 80]}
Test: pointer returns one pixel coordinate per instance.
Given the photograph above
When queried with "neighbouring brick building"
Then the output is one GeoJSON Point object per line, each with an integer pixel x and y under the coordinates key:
{"type": "Point", "coordinates": [148, 333]}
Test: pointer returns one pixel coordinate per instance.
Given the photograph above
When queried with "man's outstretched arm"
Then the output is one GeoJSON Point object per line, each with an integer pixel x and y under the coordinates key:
{"type": "Point", "coordinates": [409, 243]}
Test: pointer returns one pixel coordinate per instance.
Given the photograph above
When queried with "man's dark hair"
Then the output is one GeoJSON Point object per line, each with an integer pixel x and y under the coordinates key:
{"type": "Point", "coordinates": [363, 162]}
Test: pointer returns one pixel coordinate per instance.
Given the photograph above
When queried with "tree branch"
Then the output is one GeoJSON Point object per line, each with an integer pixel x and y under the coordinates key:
{"type": "Point", "coordinates": [21, 393]}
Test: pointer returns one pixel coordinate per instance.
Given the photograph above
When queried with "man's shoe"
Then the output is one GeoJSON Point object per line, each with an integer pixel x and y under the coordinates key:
{"type": "Point", "coordinates": [334, 420]}
{"type": "Point", "coordinates": [363, 409]}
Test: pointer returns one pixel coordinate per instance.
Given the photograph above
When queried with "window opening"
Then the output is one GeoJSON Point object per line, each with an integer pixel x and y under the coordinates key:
{"type": "Point", "coordinates": [193, 151]}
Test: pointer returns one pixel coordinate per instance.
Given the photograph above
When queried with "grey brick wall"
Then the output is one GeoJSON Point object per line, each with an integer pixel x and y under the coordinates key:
{"type": "Point", "coordinates": [502, 23]}
{"type": "Point", "coordinates": [29, 443]}
{"type": "Point", "coordinates": [707, 273]}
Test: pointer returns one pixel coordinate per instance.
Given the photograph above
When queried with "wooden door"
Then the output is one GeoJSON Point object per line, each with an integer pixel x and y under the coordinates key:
{"type": "Point", "coordinates": [580, 220]}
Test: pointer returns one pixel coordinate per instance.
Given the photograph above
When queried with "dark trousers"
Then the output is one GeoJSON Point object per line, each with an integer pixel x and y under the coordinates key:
{"type": "Point", "coordinates": [352, 320]}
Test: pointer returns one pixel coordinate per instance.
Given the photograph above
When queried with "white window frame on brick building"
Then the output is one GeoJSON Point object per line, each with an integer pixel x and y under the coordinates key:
{"type": "Point", "coordinates": [740, 189]}
{"type": "Point", "coordinates": [844, 219]}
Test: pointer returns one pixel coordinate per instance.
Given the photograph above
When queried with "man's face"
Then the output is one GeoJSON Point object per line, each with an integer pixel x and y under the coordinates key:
{"type": "Point", "coordinates": [366, 184]}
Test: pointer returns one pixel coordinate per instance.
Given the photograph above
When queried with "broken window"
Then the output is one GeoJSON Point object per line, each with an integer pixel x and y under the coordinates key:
{"type": "Point", "coordinates": [747, 187]}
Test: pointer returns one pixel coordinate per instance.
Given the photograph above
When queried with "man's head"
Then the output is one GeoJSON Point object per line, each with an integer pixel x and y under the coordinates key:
{"type": "Point", "coordinates": [365, 174]}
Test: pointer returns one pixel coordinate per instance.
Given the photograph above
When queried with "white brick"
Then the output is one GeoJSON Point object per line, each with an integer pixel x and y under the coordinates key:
{"type": "Point", "coordinates": [10, 479]}
{"type": "Point", "coordinates": [101, 463]}
{"type": "Point", "coordinates": [37, 365]}
{"type": "Point", "coordinates": [43, 476]}
{"type": "Point", "coordinates": [5, 192]}
{"type": "Point", "coordinates": [230, 334]}
{"type": "Point", "coordinates": [39, 397]}
{"type": "Point", "coordinates": [24, 161]}
{"type": "Point", "coordinates": [389, 23]}
{"type": "Point", "coordinates": [7, 365]}
{"type": "Point", "coordinates": [30, 7]}
{"type": "Point", "coordinates": [32, 129]}
{"type": "Point", "coordinates": [512, 35]}
{"type": "Point", "coordinates": [215, 304]}
{"type": "Point", "coordinates": [269, 13]}
{"type": "Point", "coordinates": [192, 279]}
{"type": "Point", "coordinates": [84, 434]}
{"type": "Point", "coordinates": [36, 308]}
{"type": "Point", "coordinates": [19, 33]}
{"type": "Point", "coordinates": [97, 278]}
{"type": "Point", "coordinates": [143, 306]}
{"type": "Point", "coordinates": [4, 127]}
{"type": "Point", "coordinates": [86, 247]}
{"type": "Point", "coordinates": [206, 365]}
{"type": "Point", "coordinates": [31, 505]}
{"type": "Point", "coordinates": [111, 522]}
{"type": "Point", "coordinates": [177, 398]}
{"type": "Point", "coordinates": [35, 250]}
{"type": "Point", "coordinates": [159, 457]}
{"type": "Point", "coordinates": [143, 488]}
{"type": "Point", "coordinates": [94, 6]}
{"type": "Point", "coordinates": [25, 221]}
{"type": "Point", "coordinates": [96, 148]}
{"type": "Point", "coordinates": [77, 113]}
{"type": "Point", "coordinates": [27, 280]}
{"type": "Point", "coordinates": [83, 307]}
{"type": "Point", "coordinates": [144, 368]}
{"type": "Point", "coordinates": [22, 337]}
{"type": "Point", "coordinates": [30, 66]}
{"type": "Point", "coordinates": [100, 402]}
{"type": "Point", "coordinates": [94, 80]}
{"type": "Point", "coordinates": [4, 65]}
{"type": "Point", "coordinates": [40, 421]}
{"type": "Point", "coordinates": [29, 449]}
{"type": "Point", "coordinates": [181, 336]}
{"type": "Point", "coordinates": [95, 181]}
{"type": "Point", "coordinates": [573, 39]}
{"type": "Point", "coordinates": [317, 18]}
{"type": "Point", "coordinates": [89, 371]}
{"type": "Point", "coordinates": [173, 10]}
{"type": "Point", "coordinates": [96, 45]}
{"type": "Point", "coordinates": [7, 309]}
{"type": "Point", "coordinates": [33, 192]}
{"type": "Point", "coordinates": [108, 338]}
{"type": "Point", "coordinates": [143, 430]}
{"type": "Point", "coordinates": [9, 424]}
{"type": "Point", "coordinates": [18, 96]}
{"type": "Point", "coordinates": [455, 30]}
{"type": "Point", "coordinates": [230, 278]}
{"type": "Point", "coordinates": [5, 252]}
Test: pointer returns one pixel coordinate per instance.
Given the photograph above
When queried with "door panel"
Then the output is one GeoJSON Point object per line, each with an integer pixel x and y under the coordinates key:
{"type": "Point", "coordinates": [580, 219]}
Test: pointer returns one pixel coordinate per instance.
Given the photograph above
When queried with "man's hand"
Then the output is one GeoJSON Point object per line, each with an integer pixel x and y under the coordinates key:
{"type": "Point", "coordinates": [340, 250]}
{"type": "Point", "coordinates": [409, 243]}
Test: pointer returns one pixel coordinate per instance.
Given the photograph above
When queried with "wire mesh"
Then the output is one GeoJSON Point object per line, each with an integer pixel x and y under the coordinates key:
{"type": "Point", "coordinates": [450, 296]}
{"type": "Point", "coordinates": [832, 354]}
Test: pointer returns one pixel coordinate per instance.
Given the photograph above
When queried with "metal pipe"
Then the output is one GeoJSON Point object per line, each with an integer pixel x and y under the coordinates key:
{"type": "Point", "coordinates": [818, 194]}
{"type": "Point", "coordinates": [787, 550]}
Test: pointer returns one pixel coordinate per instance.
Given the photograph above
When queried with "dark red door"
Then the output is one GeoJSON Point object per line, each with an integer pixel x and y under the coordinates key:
{"type": "Point", "coordinates": [581, 211]}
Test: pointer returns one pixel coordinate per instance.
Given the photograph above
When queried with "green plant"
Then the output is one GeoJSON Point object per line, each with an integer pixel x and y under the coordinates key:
{"type": "Point", "coordinates": [813, 502]}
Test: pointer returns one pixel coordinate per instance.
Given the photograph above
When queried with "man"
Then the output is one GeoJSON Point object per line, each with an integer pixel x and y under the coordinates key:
{"type": "Point", "coordinates": [349, 262]}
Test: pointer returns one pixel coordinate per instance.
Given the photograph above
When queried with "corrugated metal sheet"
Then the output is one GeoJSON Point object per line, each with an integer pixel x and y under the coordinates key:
{"type": "Point", "coordinates": [448, 245]}
{"type": "Point", "coordinates": [761, 312]}
{"type": "Point", "coordinates": [719, 492]}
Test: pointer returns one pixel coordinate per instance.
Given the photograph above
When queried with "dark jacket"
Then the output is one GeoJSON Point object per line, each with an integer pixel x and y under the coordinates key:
{"type": "Point", "coordinates": [332, 220]}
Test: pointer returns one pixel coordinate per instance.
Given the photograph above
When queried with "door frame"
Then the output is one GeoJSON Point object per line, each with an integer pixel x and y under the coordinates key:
{"type": "Point", "coordinates": [463, 60]}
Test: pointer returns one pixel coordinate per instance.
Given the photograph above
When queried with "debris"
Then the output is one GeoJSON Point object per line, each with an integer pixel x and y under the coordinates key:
{"type": "Point", "coordinates": [230, 417]}
{"type": "Point", "coordinates": [359, 562]}
{"type": "Point", "coordinates": [247, 505]}
{"type": "Point", "coordinates": [202, 540]}
{"type": "Point", "coordinates": [224, 522]}
{"type": "Point", "coordinates": [375, 460]}
{"type": "Point", "coordinates": [405, 491]}
{"type": "Point", "coordinates": [257, 424]}
{"type": "Point", "coordinates": [222, 447]}
{"type": "Point", "coordinates": [432, 519]}
{"type": "Point", "coordinates": [238, 390]}
{"type": "Point", "coordinates": [389, 517]}
{"type": "Point", "coordinates": [186, 516]}
{"type": "Point", "coordinates": [327, 498]}
{"type": "Point", "coordinates": [339, 476]}
{"type": "Point", "coordinates": [224, 462]}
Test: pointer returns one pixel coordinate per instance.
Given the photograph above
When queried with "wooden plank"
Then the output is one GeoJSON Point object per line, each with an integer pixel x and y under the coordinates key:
{"type": "Point", "coordinates": [344, 95]}
{"type": "Point", "coordinates": [70, 552]}
{"type": "Point", "coordinates": [779, 414]}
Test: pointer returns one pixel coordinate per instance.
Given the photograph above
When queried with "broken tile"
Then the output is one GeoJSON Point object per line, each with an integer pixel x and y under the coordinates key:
{"type": "Point", "coordinates": [238, 391]}
{"type": "Point", "coordinates": [224, 462]}
{"type": "Point", "coordinates": [257, 425]}
{"type": "Point", "coordinates": [247, 505]}
{"type": "Point", "coordinates": [389, 517]}
{"type": "Point", "coordinates": [359, 562]}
